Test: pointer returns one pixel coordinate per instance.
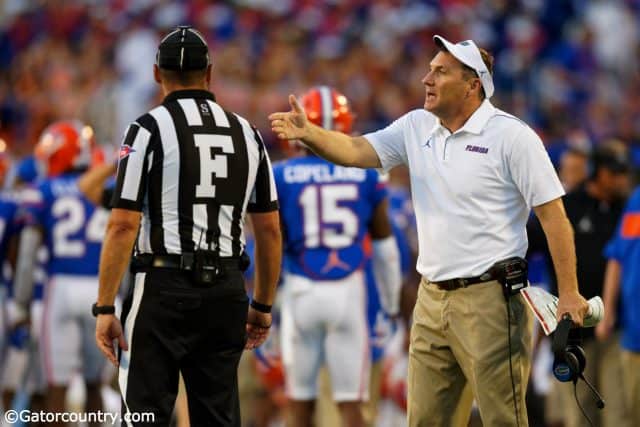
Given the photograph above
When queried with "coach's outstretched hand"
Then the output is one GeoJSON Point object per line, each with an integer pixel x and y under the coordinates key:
{"type": "Point", "coordinates": [258, 325]}
{"type": "Point", "coordinates": [292, 124]}
{"type": "Point", "coordinates": [109, 328]}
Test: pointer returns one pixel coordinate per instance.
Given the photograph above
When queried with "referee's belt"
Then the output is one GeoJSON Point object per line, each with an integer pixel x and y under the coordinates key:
{"type": "Point", "coordinates": [463, 282]}
{"type": "Point", "coordinates": [186, 261]}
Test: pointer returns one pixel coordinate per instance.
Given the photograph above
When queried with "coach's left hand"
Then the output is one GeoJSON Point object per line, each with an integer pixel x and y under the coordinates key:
{"type": "Point", "coordinates": [574, 304]}
{"type": "Point", "coordinates": [108, 328]}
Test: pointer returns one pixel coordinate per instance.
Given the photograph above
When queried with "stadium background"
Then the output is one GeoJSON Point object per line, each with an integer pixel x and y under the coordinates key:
{"type": "Point", "coordinates": [568, 68]}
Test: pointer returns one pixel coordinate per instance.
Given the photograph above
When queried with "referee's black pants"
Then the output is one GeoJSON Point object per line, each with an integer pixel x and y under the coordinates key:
{"type": "Point", "coordinates": [171, 326]}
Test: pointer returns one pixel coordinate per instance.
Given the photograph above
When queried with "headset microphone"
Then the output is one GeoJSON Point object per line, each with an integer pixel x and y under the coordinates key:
{"type": "Point", "coordinates": [570, 360]}
{"type": "Point", "coordinates": [596, 395]}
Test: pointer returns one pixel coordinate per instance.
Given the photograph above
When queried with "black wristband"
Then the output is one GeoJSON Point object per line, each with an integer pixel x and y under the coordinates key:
{"type": "Point", "coordinates": [102, 309]}
{"type": "Point", "coordinates": [262, 308]}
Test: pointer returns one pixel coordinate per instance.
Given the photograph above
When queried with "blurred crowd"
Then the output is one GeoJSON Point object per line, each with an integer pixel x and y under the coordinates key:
{"type": "Point", "coordinates": [568, 67]}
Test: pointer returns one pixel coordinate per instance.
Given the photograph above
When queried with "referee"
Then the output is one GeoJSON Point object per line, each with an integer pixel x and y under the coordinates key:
{"type": "Point", "coordinates": [189, 172]}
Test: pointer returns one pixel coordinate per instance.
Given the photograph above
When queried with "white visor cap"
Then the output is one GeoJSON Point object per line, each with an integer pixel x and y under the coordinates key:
{"type": "Point", "coordinates": [468, 53]}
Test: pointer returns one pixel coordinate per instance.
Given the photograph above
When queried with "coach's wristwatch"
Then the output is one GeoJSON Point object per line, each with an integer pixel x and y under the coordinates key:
{"type": "Point", "coordinates": [102, 309]}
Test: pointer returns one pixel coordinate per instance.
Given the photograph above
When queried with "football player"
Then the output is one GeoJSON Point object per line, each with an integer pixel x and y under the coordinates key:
{"type": "Point", "coordinates": [327, 211]}
{"type": "Point", "coordinates": [8, 209]}
{"type": "Point", "coordinates": [21, 379]}
{"type": "Point", "coordinates": [72, 228]}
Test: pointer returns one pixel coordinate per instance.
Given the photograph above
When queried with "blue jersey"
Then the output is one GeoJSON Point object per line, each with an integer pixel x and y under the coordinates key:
{"type": "Point", "coordinates": [378, 322]}
{"type": "Point", "coordinates": [9, 224]}
{"type": "Point", "coordinates": [625, 248]}
{"type": "Point", "coordinates": [73, 227]}
{"type": "Point", "coordinates": [325, 210]}
{"type": "Point", "coordinates": [403, 223]}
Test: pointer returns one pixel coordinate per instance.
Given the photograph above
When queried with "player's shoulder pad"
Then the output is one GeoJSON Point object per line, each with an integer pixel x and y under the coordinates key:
{"type": "Point", "coordinates": [31, 196]}
{"type": "Point", "coordinates": [10, 196]}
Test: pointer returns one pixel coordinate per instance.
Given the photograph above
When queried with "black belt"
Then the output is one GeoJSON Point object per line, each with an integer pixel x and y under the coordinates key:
{"type": "Point", "coordinates": [463, 282]}
{"type": "Point", "coordinates": [181, 262]}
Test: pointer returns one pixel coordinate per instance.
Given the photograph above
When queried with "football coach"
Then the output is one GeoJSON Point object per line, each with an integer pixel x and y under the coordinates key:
{"type": "Point", "coordinates": [476, 172]}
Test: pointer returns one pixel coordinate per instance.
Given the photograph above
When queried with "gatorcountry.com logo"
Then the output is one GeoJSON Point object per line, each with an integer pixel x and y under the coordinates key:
{"type": "Point", "coordinates": [125, 150]}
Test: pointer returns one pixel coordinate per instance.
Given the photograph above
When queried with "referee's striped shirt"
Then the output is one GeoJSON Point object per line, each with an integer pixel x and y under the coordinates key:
{"type": "Point", "coordinates": [194, 170]}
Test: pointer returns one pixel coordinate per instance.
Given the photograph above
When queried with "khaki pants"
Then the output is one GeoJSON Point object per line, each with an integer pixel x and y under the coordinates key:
{"type": "Point", "coordinates": [604, 370]}
{"type": "Point", "coordinates": [631, 381]}
{"type": "Point", "coordinates": [556, 402]}
{"type": "Point", "coordinates": [459, 350]}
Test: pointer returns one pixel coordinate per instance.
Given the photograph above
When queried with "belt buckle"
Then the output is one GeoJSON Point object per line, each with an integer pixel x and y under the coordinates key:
{"type": "Point", "coordinates": [486, 277]}
{"type": "Point", "coordinates": [157, 262]}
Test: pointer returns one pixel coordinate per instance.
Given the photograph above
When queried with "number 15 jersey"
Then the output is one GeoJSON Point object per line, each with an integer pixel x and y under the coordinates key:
{"type": "Point", "coordinates": [326, 210]}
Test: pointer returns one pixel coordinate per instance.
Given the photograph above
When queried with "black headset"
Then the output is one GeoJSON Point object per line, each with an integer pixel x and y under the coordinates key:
{"type": "Point", "coordinates": [570, 359]}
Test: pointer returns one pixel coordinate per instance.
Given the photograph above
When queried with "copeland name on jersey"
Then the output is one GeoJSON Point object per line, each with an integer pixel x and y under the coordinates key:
{"type": "Point", "coordinates": [300, 174]}
{"type": "Point", "coordinates": [326, 210]}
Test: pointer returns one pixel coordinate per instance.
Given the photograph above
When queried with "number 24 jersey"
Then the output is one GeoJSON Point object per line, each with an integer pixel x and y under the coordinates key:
{"type": "Point", "coordinates": [73, 227]}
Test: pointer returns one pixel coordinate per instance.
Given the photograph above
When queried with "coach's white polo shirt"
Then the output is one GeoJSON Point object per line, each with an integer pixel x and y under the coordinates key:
{"type": "Point", "coordinates": [472, 190]}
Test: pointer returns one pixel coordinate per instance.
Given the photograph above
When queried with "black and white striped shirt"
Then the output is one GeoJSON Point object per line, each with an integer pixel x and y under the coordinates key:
{"type": "Point", "coordinates": [194, 170]}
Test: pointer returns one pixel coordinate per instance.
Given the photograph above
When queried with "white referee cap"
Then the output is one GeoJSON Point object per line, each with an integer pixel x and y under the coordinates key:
{"type": "Point", "coordinates": [468, 53]}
